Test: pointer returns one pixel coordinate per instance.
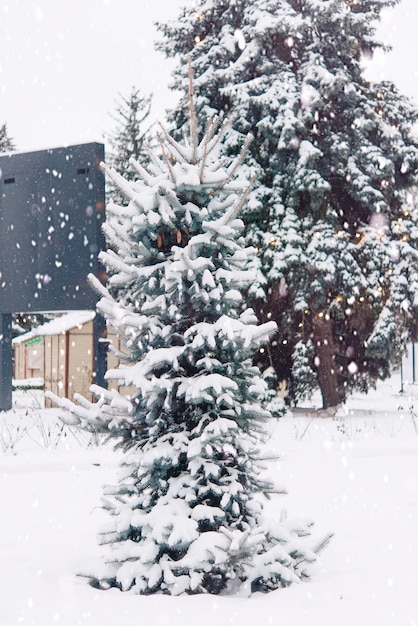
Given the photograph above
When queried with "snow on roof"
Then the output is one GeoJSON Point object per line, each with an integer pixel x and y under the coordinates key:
{"type": "Point", "coordinates": [59, 325]}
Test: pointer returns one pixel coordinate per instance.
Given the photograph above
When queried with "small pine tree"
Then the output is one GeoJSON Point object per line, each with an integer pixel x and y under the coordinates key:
{"type": "Point", "coordinates": [6, 143]}
{"type": "Point", "coordinates": [127, 140]}
{"type": "Point", "coordinates": [187, 513]}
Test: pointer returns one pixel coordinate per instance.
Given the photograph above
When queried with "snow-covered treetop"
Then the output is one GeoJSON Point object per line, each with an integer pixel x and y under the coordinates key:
{"type": "Point", "coordinates": [291, 73]}
{"type": "Point", "coordinates": [128, 136]}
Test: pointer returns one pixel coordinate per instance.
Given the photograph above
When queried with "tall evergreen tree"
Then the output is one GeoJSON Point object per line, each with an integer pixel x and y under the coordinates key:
{"type": "Point", "coordinates": [333, 154]}
{"type": "Point", "coordinates": [128, 136]}
{"type": "Point", "coordinates": [187, 512]}
{"type": "Point", "coordinates": [6, 142]}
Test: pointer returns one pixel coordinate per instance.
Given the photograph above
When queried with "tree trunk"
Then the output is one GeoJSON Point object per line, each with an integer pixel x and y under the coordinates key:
{"type": "Point", "coordinates": [278, 354]}
{"type": "Point", "coordinates": [326, 367]}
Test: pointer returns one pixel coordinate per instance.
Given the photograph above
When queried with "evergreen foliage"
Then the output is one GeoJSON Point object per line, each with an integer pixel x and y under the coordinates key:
{"type": "Point", "coordinates": [25, 322]}
{"type": "Point", "coordinates": [127, 140]}
{"type": "Point", "coordinates": [334, 156]}
{"type": "Point", "coordinates": [187, 512]}
{"type": "Point", "coordinates": [6, 142]}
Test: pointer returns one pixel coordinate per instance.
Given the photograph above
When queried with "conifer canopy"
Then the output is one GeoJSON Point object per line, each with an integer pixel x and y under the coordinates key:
{"type": "Point", "coordinates": [335, 159]}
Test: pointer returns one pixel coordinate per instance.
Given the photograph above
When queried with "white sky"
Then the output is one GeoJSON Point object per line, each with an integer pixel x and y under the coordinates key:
{"type": "Point", "coordinates": [63, 62]}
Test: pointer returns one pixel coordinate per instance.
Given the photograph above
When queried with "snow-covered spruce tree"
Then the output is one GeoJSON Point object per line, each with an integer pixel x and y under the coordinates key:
{"type": "Point", "coordinates": [187, 512]}
{"type": "Point", "coordinates": [333, 154]}
{"type": "Point", "coordinates": [127, 139]}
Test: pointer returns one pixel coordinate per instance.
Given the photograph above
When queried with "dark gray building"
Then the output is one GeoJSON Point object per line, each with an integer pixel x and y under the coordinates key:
{"type": "Point", "coordinates": [52, 206]}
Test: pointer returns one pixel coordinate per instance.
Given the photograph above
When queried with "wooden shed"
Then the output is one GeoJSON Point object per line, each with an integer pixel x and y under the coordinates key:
{"type": "Point", "coordinates": [60, 352]}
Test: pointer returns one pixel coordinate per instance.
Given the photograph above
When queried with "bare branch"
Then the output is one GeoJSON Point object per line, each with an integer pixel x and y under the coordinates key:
{"type": "Point", "coordinates": [193, 122]}
{"type": "Point", "coordinates": [323, 544]}
{"type": "Point", "coordinates": [235, 165]}
{"type": "Point", "coordinates": [176, 147]}
{"type": "Point", "coordinates": [208, 136]}
{"type": "Point", "coordinates": [166, 159]}
{"type": "Point", "coordinates": [234, 210]}
{"type": "Point", "coordinates": [214, 142]}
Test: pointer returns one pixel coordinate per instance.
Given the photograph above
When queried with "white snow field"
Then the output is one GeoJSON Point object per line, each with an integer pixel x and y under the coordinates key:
{"type": "Point", "coordinates": [355, 474]}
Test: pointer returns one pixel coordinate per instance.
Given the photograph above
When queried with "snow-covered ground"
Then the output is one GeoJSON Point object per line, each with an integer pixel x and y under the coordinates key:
{"type": "Point", "coordinates": [355, 474]}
